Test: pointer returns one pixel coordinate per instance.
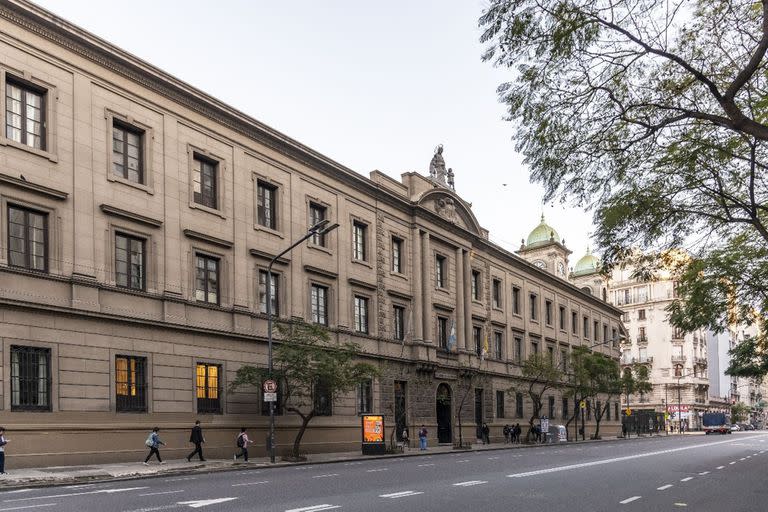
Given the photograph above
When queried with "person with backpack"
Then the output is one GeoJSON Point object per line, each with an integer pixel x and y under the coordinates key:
{"type": "Point", "coordinates": [423, 438]}
{"type": "Point", "coordinates": [3, 442]}
{"type": "Point", "coordinates": [406, 439]}
{"type": "Point", "coordinates": [242, 443]}
{"type": "Point", "coordinates": [196, 438]}
{"type": "Point", "coordinates": [506, 431]}
{"type": "Point", "coordinates": [153, 442]}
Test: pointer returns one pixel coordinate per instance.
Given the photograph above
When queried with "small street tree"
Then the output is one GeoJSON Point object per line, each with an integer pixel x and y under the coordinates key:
{"type": "Point", "coordinates": [579, 383]}
{"type": "Point", "coordinates": [541, 375]}
{"type": "Point", "coordinates": [469, 379]}
{"type": "Point", "coordinates": [305, 358]}
{"type": "Point", "coordinates": [606, 384]}
{"type": "Point", "coordinates": [635, 379]}
{"type": "Point", "coordinates": [739, 412]}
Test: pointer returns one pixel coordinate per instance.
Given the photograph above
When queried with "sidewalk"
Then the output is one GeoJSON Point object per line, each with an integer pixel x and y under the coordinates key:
{"type": "Point", "coordinates": [73, 475]}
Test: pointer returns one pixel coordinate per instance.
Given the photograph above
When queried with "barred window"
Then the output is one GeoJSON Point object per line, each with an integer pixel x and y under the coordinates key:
{"type": "Point", "coordinates": [499, 404]}
{"type": "Point", "coordinates": [442, 332]}
{"type": "Point", "coordinates": [25, 114]}
{"type": "Point", "coordinates": [475, 285]}
{"type": "Point", "coordinates": [127, 158]}
{"type": "Point", "coordinates": [30, 379]}
{"type": "Point", "coordinates": [27, 238]}
{"type": "Point", "coordinates": [208, 388]}
{"type": "Point", "coordinates": [323, 400]}
{"type": "Point", "coordinates": [565, 408]}
{"type": "Point", "coordinates": [516, 300]}
{"type": "Point", "coordinates": [498, 343]}
{"type": "Point", "coordinates": [129, 262]}
{"type": "Point", "coordinates": [397, 255]}
{"type": "Point", "coordinates": [365, 397]}
{"type": "Point", "coordinates": [131, 383]}
{"type": "Point", "coordinates": [551, 407]}
{"type": "Point", "coordinates": [496, 293]}
{"type": "Point", "coordinates": [398, 312]}
{"type": "Point", "coordinates": [519, 405]}
{"type": "Point", "coordinates": [440, 271]}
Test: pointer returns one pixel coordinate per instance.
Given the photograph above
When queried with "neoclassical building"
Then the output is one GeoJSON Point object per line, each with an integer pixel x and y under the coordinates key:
{"type": "Point", "coordinates": [137, 219]}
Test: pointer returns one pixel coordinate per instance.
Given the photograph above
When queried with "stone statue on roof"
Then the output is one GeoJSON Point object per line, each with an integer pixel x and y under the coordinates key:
{"type": "Point", "coordinates": [437, 170]}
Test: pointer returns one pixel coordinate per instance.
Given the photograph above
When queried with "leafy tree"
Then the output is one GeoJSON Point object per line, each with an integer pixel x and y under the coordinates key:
{"type": "Point", "coordinates": [541, 375]}
{"type": "Point", "coordinates": [655, 114]}
{"type": "Point", "coordinates": [469, 379]}
{"type": "Point", "coordinates": [635, 379]}
{"type": "Point", "coordinates": [606, 384]}
{"type": "Point", "coordinates": [739, 412]}
{"type": "Point", "coordinates": [579, 383]}
{"type": "Point", "coordinates": [305, 357]}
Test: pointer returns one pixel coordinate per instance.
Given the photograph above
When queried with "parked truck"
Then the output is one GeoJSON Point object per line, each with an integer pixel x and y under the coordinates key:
{"type": "Point", "coordinates": [716, 422]}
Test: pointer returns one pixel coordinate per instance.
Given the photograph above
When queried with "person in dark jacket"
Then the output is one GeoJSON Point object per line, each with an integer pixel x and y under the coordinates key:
{"type": "Point", "coordinates": [196, 438]}
{"type": "Point", "coordinates": [486, 434]}
{"type": "Point", "coordinates": [3, 442]}
{"type": "Point", "coordinates": [153, 442]}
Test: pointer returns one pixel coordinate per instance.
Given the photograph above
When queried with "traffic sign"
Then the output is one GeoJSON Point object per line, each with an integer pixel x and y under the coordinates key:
{"type": "Point", "coordinates": [582, 405]}
{"type": "Point", "coordinates": [629, 411]}
{"type": "Point", "coordinates": [270, 386]}
{"type": "Point", "coordinates": [270, 397]}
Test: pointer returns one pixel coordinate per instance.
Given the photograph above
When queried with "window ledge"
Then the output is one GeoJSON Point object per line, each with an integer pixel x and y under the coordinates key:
{"type": "Point", "coordinates": [139, 186]}
{"type": "Point", "coordinates": [399, 275]}
{"type": "Point", "coordinates": [39, 152]}
{"type": "Point", "coordinates": [265, 229]}
{"type": "Point", "coordinates": [319, 248]}
{"type": "Point", "coordinates": [363, 263]}
{"type": "Point", "coordinates": [206, 209]}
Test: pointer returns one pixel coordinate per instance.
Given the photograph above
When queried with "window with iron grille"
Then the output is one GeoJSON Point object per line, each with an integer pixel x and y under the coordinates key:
{"type": "Point", "coordinates": [131, 383]}
{"type": "Point", "coordinates": [442, 332]}
{"type": "Point", "coordinates": [496, 293]}
{"type": "Point", "coordinates": [518, 349]}
{"type": "Point", "coordinates": [398, 317]}
{"type": "Point", "coordinates": [533, 301]}
{"type": "Point", "coordinates": [519, 405]}
{"type": "Point", "coordinates": [397, 255]}
{"type": "Point", "coordinates": [477, 337]}
{"type": "Point", "coordinates": [562, 318]}
{"type": "Point", "coordinates": [322, 399]}
{"type": "Point", "coordinates": [548, 312]}
{"type": "Point", "coordinates": [274, 298]}
{"type": "Point", "coordinates": [475, 285]}
{"type": "Point", "coordinates": [498, 343]}
{"type": "Point", "coordinates": [129, 262]}
{"type": "Point", "coordinates": [574, 323]}
{"type": "Point", "coordinates": [208, 387]}
{"type": "Point", "coordinates": [565, 408]}
{"type": "Point", "coordinates": [359, 231]}
{"type": "Point", "coordinates": [586, 327]}
{"type": "Point", "coordinates": [534, 347]}
{"type": "Point", "coordinates": [319, 304]}
{"type": "Point", "coordinates": [516, 300]}
{"type": "Point", "coordinates": [499, 404]}
{"type": "Point", "coordinates": [564, 360]}
{"type": "Point", "coordinates": [266, 207]}
{"type": "Point", "coordinates": [440, 271]}
{"type": "Point", "coordinates": [127, 152]}
{"type": "Point", "coordinates": [27, 238]}
{"type": "Point", "coordinates": [551, 355]}
{"type": "Point", "coordinates": [278, 403]}
{"type": "Point", "coordinates": [641, 314]}
{"type": "Point", "coordinates": [551, 407]}
{"type": "Point", "coordinates": [317, 215]}
{"type": "Point", "coordinates": [25, 114]}
{"type": "Point", "coordinates": [605, 333]}
{"type": "Point", "coordinates": [365, 397]}
{"type": "Point", "coordinates": [596, 330]}
{"type": "Point", "coordinates": [30, 378]}
{"type": "Point", "coordinates": [205, 181]}
{"type": "Point", "coordinates": [361, 314]}
{"type": "Point", "coordinates": [207, 279]}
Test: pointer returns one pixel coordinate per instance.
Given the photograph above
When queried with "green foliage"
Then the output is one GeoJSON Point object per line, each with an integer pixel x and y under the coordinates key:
{"type": "Point", "coordinates": [636, 379]}
{"type": "Point", "coordinates": [739, 412]}
{"type": "Point", "coordinates": [540, 374]}
{"type": "Point", "coordinates": [655, 115]}
{"type": "Point", "coordinates": [593, 376]}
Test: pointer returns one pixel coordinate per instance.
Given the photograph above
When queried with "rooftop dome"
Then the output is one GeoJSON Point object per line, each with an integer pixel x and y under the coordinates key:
{"type": "Point", "coordinates": [588, 264]}
{"type": "Point", "coordinates": [542, 233]}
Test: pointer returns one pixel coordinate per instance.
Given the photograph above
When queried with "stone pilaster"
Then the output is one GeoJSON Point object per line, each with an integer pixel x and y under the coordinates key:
{"type": "Point", "coordinates": [416, 310]}
{"type": "Point", "coordinates": [461, 341]}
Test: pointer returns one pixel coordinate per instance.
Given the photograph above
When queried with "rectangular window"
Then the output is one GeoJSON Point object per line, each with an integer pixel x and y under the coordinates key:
{"type": "Point", "coordinates": [361, 314]}
{"type": "Point", "coordinates": [274, 298]}
{"type": "Point", "coordinates": [519, 405]}
{"type": "Point", "coordinates": [442, 332]}
{"type": "Point", "coordinates": [562, 318]}
{"type": "Point", "coordinates": [641, 334]}
{"type": "Point", "coordinates": [574, 323]}
{"type": "Point", "coordinates": [365, 397]}
{"type": "Point", "coordinates": [532, 299]}
{"type": "Point", "coordinates": [319, 304]}
{"type": "Point", "coordinates": [564, 360]}
{"type": "Point", "coordinates": [596, 330]}
{"type": "Point", "coordinates": [614, 337]}
{"type": "Point", "coordinates": [641, 314]}
{"type": "Point", "coordinates": [25, 114]}
{"type": "Point", "coordinates": [127, 152]}
{"type": "Point", "coordinates": [317, 215]}
{"type": "Point", "coordinates": [266, 204]}
{"type": "Point", "coordinates": [398, 317]}
{"type": "Point", "coordinates": [323, 401]}
{"type": "Point", "coordinates": [475, 281]}
{"type": "Point", "coordinates": [548, 312]}
{"type": "Point", "coordinates": [565, 408]}
{"type": "Point", "coordinates": [605, 333]}
{"type": "Point", "coordinates": [586, 327]}
{"type": "Point", "coordinates": [518, 349]}
{"type": "Point", "coordinates": [551, 355]}
{"type": "Point", "coordinates": [499, 404]}
{"type": "Point", "coordinates": [27, 239]}
{"type": "Point", "coordinates": [608, 412]}
{"type": "Point", "coordinates": [496, 293]}
{"type": "Point", "coordinates": [551, 407]}
{"type": "Point", "coordinates": [30, 378]}
{"type": "Point", "coordinates": [440, 271]}
{"type": "Point", "coordinates": [208, 388]}
{"type": "Point", "coordinates": [204, 181]}
{"type": "Point", "coordinates": [477, 338]}
{"type": "Point", "coordinates": [359, 232]}
{"type": "Point", "coordinates": [207, 279]}
{"type": "Point", "coordinates": [129, 262]}
{"type": "Point", "coordinates": [534, 347]}
{"type": "Point", "coordinates": [616, 409]}
{"type": "Point", "coordinates": [498, 343]}
{"type": "Point", "coordinates": [131, 383]}
{"type": "Point", "coordinates": [397, 255]}
{"type": "Point", "coordinates": [516, 300]}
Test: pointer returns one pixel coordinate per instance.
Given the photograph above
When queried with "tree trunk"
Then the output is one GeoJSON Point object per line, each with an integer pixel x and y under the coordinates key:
{"type": "Point", "coordinates": [300, 434]}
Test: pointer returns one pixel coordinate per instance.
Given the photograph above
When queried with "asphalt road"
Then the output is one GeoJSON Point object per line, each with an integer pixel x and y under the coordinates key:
{"type": "Point", "coordinates": [701, 473]}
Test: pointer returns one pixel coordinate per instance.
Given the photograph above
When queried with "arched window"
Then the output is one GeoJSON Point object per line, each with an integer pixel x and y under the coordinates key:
{"type": "Point", "coordinates": [587, 289]}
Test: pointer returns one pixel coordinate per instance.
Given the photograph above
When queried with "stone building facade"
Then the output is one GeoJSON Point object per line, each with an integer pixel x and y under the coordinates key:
{"type": "Point", "coordinates": [137, 218]}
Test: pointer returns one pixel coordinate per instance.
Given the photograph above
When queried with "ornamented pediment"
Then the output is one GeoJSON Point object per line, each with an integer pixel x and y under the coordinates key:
{"type": "Point", "coordinates": [450, 207]}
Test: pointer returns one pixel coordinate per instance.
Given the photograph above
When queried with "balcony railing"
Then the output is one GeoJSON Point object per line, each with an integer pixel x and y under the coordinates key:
{"type": "Point", "coordinates": [678, 359]}
{"type": "Point", "coordinates": [642, 339]}
{"type": "Point", "coordinates": [700, 360]}
{"type": "Point", "coordinates": [643, 360]}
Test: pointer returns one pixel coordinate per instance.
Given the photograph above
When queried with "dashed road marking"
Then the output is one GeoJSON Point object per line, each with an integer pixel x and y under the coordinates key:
{"type": "Point", "coordinates": [424, 465]}
{"type": "Point", "coordinates": [719, 467]}
{"type": "Point", "coordinates": [743, 458]}
{"type": "Point", "coordinates": [732, 463]}
{"type": "Point", "coordinates": [314, 508]}
{"type": "Point", "coordinates": [493, 458]}
{"type": "Point", "coordinates": [402, 494]}
{"type": "Point", "coordinates": [30, 506]}
{"type": "Point", "coordinates": [686, 479]}
{"type": "Point", "coordinates": [630, 500]}
{"type": "Point", "coordinates": [302, 468]}
{"type": "Point", "coordinates": [250, 483]}
{"type": "Point", "coordinates": [463, 460]}
{"type": "Point", "coordinates": [664, 487]}
{"type": "Point", "coordinates": [329, 475]}
{"type": "Point", "coordinates": [376, 470]}
{"type": "Point", "coordinates": [704, 473]}
{"type": "Point", "coordinates": [161, 493]}
{"type": "Point", "coordinates": [681, 504]}
{"type": "Point", "coordinates": [470, 483]}
{"type": "Point", "coordinates": [180, 479]}
{"type": "Point", "coordinates": [100, 491]}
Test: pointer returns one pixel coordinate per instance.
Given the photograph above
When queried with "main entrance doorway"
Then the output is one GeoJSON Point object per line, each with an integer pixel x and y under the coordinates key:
{"type": "Point", "coordinates": [443, 413]}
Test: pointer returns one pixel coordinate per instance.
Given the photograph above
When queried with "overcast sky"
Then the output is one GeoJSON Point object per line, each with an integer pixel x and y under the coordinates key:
{"type": "Point", "coordinates": [372, 85]}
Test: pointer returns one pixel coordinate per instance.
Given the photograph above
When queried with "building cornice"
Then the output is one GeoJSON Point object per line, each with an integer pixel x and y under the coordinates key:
{"type": "Point", "coordinates": [49, 192]}
{"type": "Point", "coordinates": [125, 214]}
{"type": "Point", "coordinates": [267, 256]}
{"type": "Point", "coordinates": [321, 272]}
{"type": "Point", "coordinates": [210, 239]}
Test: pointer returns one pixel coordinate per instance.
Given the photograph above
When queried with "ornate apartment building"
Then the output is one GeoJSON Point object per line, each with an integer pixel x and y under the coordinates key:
{"type": "Point", "coordinates": [137, 218]}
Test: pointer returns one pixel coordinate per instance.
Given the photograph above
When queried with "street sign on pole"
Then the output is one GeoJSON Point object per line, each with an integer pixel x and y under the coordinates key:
{"type": "Point", "coordinates": [270, 386]}
{"type": "Point", "coordinates": [582, 404]}
{"type": "Point", "coordinates": [270, 397]}
{"type": "Point", "coordinates": [629, 411]}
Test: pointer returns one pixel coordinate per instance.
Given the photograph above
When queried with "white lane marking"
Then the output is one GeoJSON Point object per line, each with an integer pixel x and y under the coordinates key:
{"type": "Point", "coordinates": [425, 465]}
{"type": "Point", "coordinates": [664, 487]}
{"type": "Point", "coordinates": [376, 470]}
{"type": "Point", "coordinates": [100, 491]}
{"type": "Point", "coordinates": [719, 467]}
{"type": "Point", "coordinates": [301, 468]}
{"type": "Point", "coordinates": [743, 458]}
{"type": "Point", "coordinates": [30, 506]}
{"type": "Point", "coordinates": [470, 483]}
{"type": "Point", "coordinates": [352, 463]}
{"type": "Point", "coordinates": [630, 500]}
{"type": "Point", "coordinates": [732, 463]}
{"type": "Point", "coordinates": [80, 486]}
{"type": "Point", "coordinates": [493, 458]}
{"type": "Point", "coordinates": [402, 494]}
{"type": "Point", "coordinates": [681, 504]}
{"type": "Point", "coordinates": [616, 459]}
{"type": "Point", "coordinates": [704, 473]}
{"type": "Point", "coordinates": [251, 483]}
{"type": "Point", "coordinates": [181, 479]}
{"type": "Point", "coordinates": [18, 491]}
{"type": "Point", "coordinates": [159, 493]}
{"type": "Point", "coordinates": [463, 460]}
{"type": "Point", "coordinates": [328, 475]}
{"type": "Point", "coordinates": [687, 479]}
{"type": "Point", "coordinates": [204, 503]}
{"type": "Point", "coordinates": [314, 508]}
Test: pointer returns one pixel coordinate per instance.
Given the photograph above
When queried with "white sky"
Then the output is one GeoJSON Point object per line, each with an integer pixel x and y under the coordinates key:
{"type": "Point", "coordinates": [372, 85]}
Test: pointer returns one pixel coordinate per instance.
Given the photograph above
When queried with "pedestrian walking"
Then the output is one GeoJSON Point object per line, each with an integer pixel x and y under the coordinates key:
{"type": "Point", "coordinates": [486, 434]}
{"type": "Point", "coordinates": [507, 433]}
{"type": "Point", "coordinates": [242, 442]}
{"type": "Point", "coordinates": [423, 438]}
{"type": "Point", "coordinates": [153, 442]}
{"type": "Point", "coordinates": [516, 433]}
{"type": "Point", "coordinates": [3, 442]}
{"type": "Point", "coordinates": [406, 439]}
{"type": "Point", "coordinates": [196, 438]}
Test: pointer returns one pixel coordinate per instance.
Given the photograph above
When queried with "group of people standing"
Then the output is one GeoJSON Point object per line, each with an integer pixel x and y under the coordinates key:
{"type": "Point", "coordinates": [154, 443]}
{"type": "Point", "coordinates": [512, 434]}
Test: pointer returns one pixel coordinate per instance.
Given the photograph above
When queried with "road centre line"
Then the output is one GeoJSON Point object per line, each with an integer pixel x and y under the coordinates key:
{"type": "Point", "coordinates": [470, 483]}
{"type": "Point", "coordinates": [159, 493]}
{"type": "Point", "coordinates": [314, 508]}
{"type": "Point", "coordinates": [376, 470]}
{"type": "Point", "coordinates": [327, 475]}
{"type": "Point", "coordinates": [251, 483]}
{"type": "Point", "coordinates": [424, 465]}
{"type": "Point", "coordinates": [664, 487]}
{"type": "Point", "coordinates": [686, 479]}
{"type": "Point", "coordinates": [100, 491]}
{"type": "Point", "coordinates": [30, 506]}
{"type": "Point", "coordinates": [630, 500]}
{"type": "Point", "coordinates": [732, 463]}
{"type": "Point", "coordinates": [719, 467]}
{"type": "Point", "coordinates": [704, 473]}
{"type": "Point", "coordinates": [401, 494]}
{"type": "Point", "coordinates": [615, 459]}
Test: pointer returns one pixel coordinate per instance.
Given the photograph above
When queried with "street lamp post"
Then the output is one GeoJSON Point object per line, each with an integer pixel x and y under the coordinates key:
{"type": "Point", "coordinates": [321, 228]}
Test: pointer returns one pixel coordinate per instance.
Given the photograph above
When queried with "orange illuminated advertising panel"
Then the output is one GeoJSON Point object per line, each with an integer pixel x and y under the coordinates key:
{"type": "Point", "coordinates": [373, 429]}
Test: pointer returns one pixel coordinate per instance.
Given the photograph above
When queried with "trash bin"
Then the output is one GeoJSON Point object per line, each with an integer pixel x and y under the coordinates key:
{"type": "Point", "coordinates": [557, 434]}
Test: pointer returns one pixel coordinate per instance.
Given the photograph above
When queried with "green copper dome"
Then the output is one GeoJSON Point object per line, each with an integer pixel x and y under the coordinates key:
{"type": "Point", "coordinates": [542, 233]}
{"type": "Point", "coordinates": [588, 264]}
